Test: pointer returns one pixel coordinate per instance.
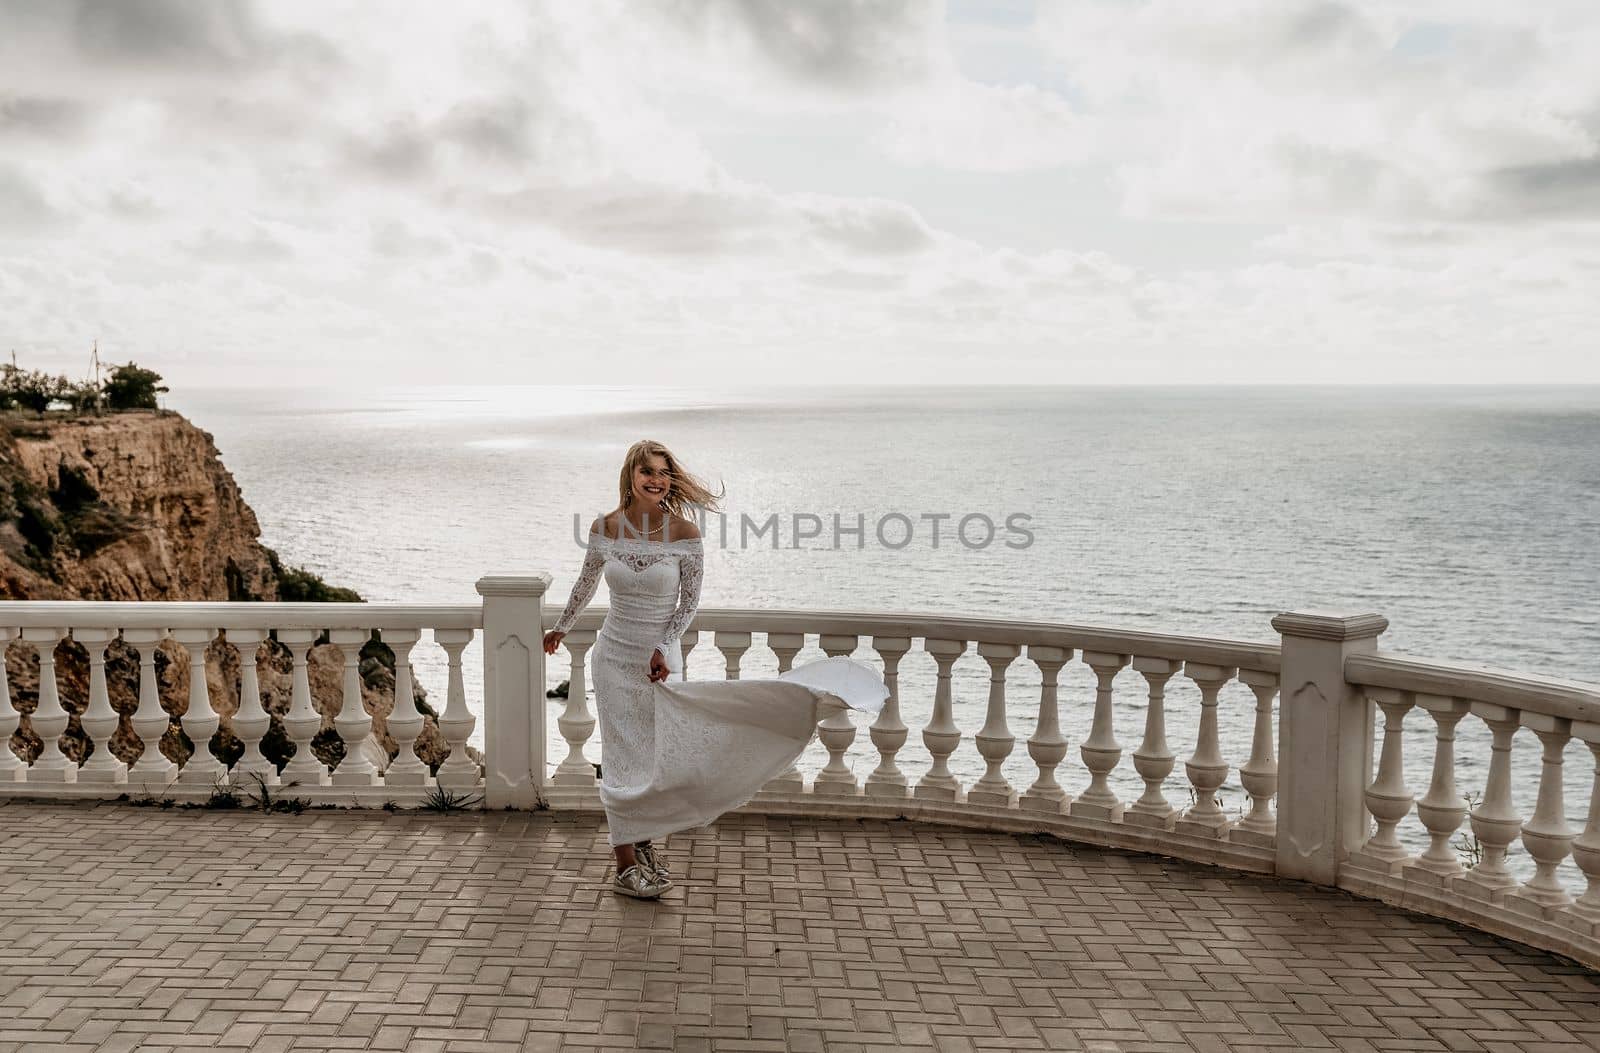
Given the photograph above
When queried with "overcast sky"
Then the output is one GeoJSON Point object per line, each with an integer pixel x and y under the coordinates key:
{"type": "Point", "coordinates": [713, 191]}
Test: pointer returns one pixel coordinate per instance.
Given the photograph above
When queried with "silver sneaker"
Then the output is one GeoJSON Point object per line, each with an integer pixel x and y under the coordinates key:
{"type": "Point", "coordinates": [654, 860]}
{"type": "Point", "coordinates": [636, 882]}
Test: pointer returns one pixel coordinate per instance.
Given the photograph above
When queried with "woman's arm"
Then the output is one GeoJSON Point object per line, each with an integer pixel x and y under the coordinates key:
{"type": "Point", "coordinates": [691, 572]}
{"type": "Point", "coordinates": [594, 562]}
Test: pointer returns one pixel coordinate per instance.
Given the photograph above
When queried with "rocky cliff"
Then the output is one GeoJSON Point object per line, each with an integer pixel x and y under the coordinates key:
{"type": "Point", "coordinates": [139, 506]}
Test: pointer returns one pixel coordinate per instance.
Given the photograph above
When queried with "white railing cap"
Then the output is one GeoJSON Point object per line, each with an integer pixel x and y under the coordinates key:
{"type": "Point", "coordinates": [1241, 654]}
{"type": "Point", "coordinates": [87, 614]}
{"type": "Point", "coordinates": [1570, 699]}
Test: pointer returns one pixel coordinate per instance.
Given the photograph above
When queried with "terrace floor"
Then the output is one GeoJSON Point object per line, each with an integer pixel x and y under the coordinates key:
{"type": "Point", "coordinates": [143, 928]}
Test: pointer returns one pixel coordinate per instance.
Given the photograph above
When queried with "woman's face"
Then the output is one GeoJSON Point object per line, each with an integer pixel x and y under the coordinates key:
{"type": "Point", "coordinates": [651, 482]}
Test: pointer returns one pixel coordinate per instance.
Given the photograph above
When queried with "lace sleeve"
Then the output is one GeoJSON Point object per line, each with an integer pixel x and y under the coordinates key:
{"type": "Point", "coordinates": [594, 562]}
{"type": "Point", "coordinates": [691, 572]}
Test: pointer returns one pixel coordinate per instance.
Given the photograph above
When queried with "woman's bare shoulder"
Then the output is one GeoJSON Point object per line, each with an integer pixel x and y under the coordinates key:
{"type": "Point", "coordinates": [680, 529]}
{"type": "Point", "coordinates": [606, 524]}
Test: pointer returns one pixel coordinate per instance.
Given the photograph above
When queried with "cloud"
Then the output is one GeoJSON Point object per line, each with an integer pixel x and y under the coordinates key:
{"type": "Point", "coordinates": [1289, 109]}
{"type": "Point", "coordinates": [836, 47]}
{"type": "Point", "coordinates": [51, 118]}
{"type": "Point", "coordinates": [213, 36]}
{"type": "Point", "coordinates": [1557, 189]}
{"type": "Point", "coordinates": [252, 246]}
{"type": "Point", "coordinates": [24, 207]}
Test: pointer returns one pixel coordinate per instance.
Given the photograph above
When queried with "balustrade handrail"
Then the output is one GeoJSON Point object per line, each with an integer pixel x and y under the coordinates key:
{"type": "Point", "coordinates": [165, 614]}
{"type": "Point", "coordinates": [1569, 699]}
{"type": "Point", "coordinates": [1241, 654]}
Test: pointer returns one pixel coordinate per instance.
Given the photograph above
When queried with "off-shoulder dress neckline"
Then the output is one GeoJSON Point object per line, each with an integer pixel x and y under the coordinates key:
{"type": "Point", "coordinates": [631, 539]}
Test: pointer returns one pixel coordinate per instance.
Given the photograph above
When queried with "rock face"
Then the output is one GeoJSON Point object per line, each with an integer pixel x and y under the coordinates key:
{"type": "Point", "coordinates": [138, 506]}
{"type": "Point", "coordinates": [134, 506]}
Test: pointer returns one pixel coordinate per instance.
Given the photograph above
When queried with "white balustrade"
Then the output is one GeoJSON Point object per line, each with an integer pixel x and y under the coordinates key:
{"type": "Point", "coordinates": [941, 736]}
{"type": "Point", "coordinates": [994, 740]}
{"type": "Point", "coordinates": [1586, 847]}
{"type": "Point", "coordinates": [302, 722]}
{"type": "Point", "coordinates": [1495, 823]}
{"type": "Point", "coordinates": [836, 732]}
{"type": "Point", "coordinates": [456, 722]}
{"type": "Point", "coordinates": [151, 770]}
{"type": "Point", "coordinates": [353, 723]}
{"type": "Point", "coordinates": [251, 722]}
{"type": "Point", "coordinates": [576, 721]}
{"type": "Point", "coordinates": [1546, 836]}
{"type": "Point", "coordinates": [733, 646]}
{"type": "Point", "coordinates": [1153, 760]}
{"type": "Point", "coordinates": [1259, 776]}
{"type": "Point", "coordinates": [785, 646]}
{"type": "Point", "coordinates": [12, 769]}
{"type": "Point", "coordinates": [1046, 746]}
{"type": "Point", "coordinates": [1207, 768]}
{"type": "Point", "coordinates": [1387, 798]}
{"type": "Point", "coordinates": [405, 720]}
{"type": "Point", "coordinates": [49, 720]}
{"type": "Point", "coordinates": [1101, 751]}
{"type": "Point", "coordinates": [200, 721]}
{"type": "Point", "coordinates": [888, 731]}
{"type": "Point", "coordinates": [1335, 686]}
{"type": "Point", "coordinates": [1442, 809]}
{"type": "Point", "coordinates": [99, 720]}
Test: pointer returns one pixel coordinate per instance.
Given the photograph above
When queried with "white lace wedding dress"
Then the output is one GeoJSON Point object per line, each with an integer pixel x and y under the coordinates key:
{"type": "Point", "coordinates": [678, 754]}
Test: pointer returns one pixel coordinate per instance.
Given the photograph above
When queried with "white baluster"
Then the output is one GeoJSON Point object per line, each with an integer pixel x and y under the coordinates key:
{"type": "Point", "coordinates": [251, 721]}
{"type": "Point", "coordinates": [1495, 822]}
{"type": "Point", "coordinates": [1584, 915]}
{"type": "Point", "coordinates": [1101, 751]}
{"type": "Point", "coordinates": [302, 722]}
{"type": "Point", "coordinates": [49, 720]}
{"type": "Point", "coordinates": [786, 646]}
{"type": "Point", "coordinates": [151, 769]}
{"type": "Point", "coordinates": [836, 732]}
{"type": "Point", "coordinates": [1154, 759]}
{"type": "Point", "coordinates": [12, 769]}
{"type": "Point", "coordinates": [353, 722]}
{"type": "Point", "coordinates": [1259, 776]}
{"type": "Point", "coordinates": [1387, 798]}
{"type": "Point", "coordinates": [1046, 746]}
{"type": "Point", "coordinates": [1441, 809]}
{"type": "Point", "coordinates": [576, 720]}
{"type": "Point", "coordinates": [994, 740]}
{"type": "Point", "coordinates": [733, 646]}
{"type": "Point", "coordinates": [686, 643]}
{"type": "Point", "coordinates": [941, 736]}
{"type": "Point", "coordinates": [456, 723]}
{"type": "Point", "coordinates": [1207, 768]}
{"type": "Point", "coordinates": [888, 731]}
{"type": "Point", "coordinates": [200, 720]}
{"type": "Point", "coordinates": [1546, 836]}
{"type": "Point", "coordinates": [405, 720]}
{"type": "Point", "coordinates": [99, 720]}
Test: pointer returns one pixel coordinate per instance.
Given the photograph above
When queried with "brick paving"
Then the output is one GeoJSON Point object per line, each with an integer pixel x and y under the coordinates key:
{"type": "Point", "coordinates": [139, 928]}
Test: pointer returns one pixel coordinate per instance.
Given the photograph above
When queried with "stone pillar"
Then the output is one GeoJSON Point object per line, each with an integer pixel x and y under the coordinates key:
{"type": "Point", "coordinates": [513, 689]}
{"type": "Point", "coordinates": [1324, 743]}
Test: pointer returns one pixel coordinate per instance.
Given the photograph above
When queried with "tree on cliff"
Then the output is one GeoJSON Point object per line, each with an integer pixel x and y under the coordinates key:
{"type": "Point", "coordinates": [129, 387]}
{"type": "Point", "coordinates": [31, 388]}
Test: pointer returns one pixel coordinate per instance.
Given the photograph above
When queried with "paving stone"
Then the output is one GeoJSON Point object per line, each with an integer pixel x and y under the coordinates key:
{"type": "Point", "coordinates": [128, 928]}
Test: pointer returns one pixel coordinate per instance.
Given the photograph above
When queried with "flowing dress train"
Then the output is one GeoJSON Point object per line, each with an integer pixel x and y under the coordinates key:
{"type": "Point", "coordinates": [677, 754]}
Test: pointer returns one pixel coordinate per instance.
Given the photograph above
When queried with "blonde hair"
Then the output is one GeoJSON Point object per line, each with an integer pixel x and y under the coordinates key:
{"type": "Point", "coordinates": [685, 492]}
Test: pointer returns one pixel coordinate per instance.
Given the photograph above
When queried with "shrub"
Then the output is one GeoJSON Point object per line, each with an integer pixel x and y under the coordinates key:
{"type": "Point", "coordinates": [130, 387]}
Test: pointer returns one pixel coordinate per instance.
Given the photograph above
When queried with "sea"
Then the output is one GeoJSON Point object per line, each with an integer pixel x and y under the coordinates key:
{"type": "Point", "coordinates": [1468, 516]}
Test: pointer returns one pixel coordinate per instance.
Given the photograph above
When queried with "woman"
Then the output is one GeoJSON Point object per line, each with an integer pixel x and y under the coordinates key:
{"type": "Point", "coordinates": [677, 755]}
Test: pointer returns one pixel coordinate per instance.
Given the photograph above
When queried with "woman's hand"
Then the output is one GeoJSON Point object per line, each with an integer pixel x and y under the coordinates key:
{"type": "Point", "coordinates": [552, 640]}
{"type": "Point", "coordinates": [658, 666]}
